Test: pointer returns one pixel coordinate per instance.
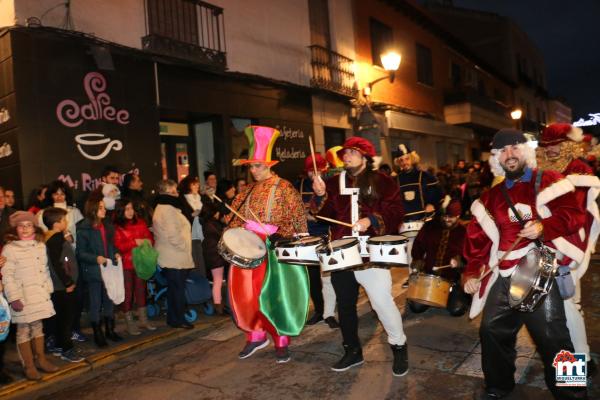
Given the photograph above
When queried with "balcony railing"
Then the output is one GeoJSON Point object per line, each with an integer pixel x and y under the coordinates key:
{"type": "Point", "coordinates": [189, 29]}
{"type": "Point", "coordinates": [470, 95]}
{"type": "Point", "coordinates": [332, 71]}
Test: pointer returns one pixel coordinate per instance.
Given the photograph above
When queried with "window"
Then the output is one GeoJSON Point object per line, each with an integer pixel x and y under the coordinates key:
{"type": "Point", "coordinates": [382, 39]}
{"type": "Point", "coordinates": [455, 74]}
{"type": "Point", "coordinates": [424, 65]}
{"type": "Point", "coordinates": [481, 87]}
{"type": "Point", "coordinates": [319, 23]}
{"type": "Point", "coordinates": [334, 137]}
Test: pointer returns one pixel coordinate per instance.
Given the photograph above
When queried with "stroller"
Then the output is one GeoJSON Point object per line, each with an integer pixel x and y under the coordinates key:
{"type": "Point", "coordinates": [197, 293]}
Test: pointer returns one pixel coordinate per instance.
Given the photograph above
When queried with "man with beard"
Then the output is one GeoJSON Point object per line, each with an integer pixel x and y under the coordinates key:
{"type": "Point", "coordinates": [440, 244]}
{"type": "Point", "coordinates": [561, 149]}
{"type": "Point", "coordinates": [545, 209]}
{"type": "Point", "coordinates": [379, 213]}
{"type": "Point", "coordinates": [421, 193]}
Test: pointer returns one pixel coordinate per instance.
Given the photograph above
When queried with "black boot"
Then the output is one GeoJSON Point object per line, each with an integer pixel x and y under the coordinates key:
{"type": "Point", "coordinates": [109, 323]}
{"type": "Point", "coordinates": [99, 338]}
{"type": "Point", "coordinates": [400, 366]}
{"type": "Point", "coordinates": [352, 357]}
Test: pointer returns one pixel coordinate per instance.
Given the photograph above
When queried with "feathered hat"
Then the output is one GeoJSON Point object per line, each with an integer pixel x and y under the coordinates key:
{"type": "Point", "coordinates": [557, 133]}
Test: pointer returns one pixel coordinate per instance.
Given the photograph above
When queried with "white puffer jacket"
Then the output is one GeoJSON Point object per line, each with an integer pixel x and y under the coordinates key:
{"type": "Point", "coordinates": [26, 277]}
{"type": "Point", "coordinates": [172, 237]}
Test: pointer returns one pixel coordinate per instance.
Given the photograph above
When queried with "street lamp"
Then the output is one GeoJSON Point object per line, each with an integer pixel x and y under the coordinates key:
{"type": "Point", "coordinates": [391, 62]}
{"type": "Point", "coordinates": [516, 115]}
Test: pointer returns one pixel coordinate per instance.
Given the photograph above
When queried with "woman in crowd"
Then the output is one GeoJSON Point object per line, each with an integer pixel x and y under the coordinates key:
{"type": "Point", "coordinates": [130, 232]}
{"type": "Point", "coordinates": [36, 199]}
{"type": "Point", "coordinates": [173, 241]}
{"type": "Point", "coordinates": [94, 248]}
{"type": "Point", "coordinates": [189, 193]}
{"type": "Point", "coordinates": [213, 229]}
{"type": "Point", "coordinates": [59, 195]}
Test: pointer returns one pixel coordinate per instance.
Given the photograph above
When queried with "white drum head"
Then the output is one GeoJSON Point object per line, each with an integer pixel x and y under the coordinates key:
{"type": "Point", "coordinates": [245, 243]}
{"type": "Point", "coordinates": [387, 239]}
{"type": "Point", "coordinates": [341, 243]}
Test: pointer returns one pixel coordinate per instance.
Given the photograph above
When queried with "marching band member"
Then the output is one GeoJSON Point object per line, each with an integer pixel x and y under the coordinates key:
{"type": "Point", "coordinates": [321, 290]}
{"type": "Point", "coordinates": [546, 208]}
{"type": "Point", "coordinates": [380, 212]}
{"type": "Point", "coordinates": [440, 244]}
{"type": "Point", "coordinates": [421, 192]}
{"type": "Point", "coordinates": [256, 301]}
{"type": "Point", "coordinates": [561, 149]}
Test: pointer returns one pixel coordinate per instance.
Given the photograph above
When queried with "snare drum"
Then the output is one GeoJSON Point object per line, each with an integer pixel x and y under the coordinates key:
{"type": "Point", "coordinates": [339, 255]}
{"type": "Point", "coordinates": [428, 289]}
{"type": "Point", "coordinates": [532, 280]}
{"type": "Point", "coordinates": [388, 250]}
{"type": "Point", "coordinates": [242, 248]}
{"type": "Point", "coordinates": [362, 244]}
{"type": "Point", "coordinates": [301, 251]}
{"type": "Point", "coordinates": [410, 229]}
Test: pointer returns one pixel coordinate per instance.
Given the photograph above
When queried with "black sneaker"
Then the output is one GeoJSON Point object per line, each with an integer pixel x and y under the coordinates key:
{"type": "Point", "coordinates": [332, 322]}
{"type": "Point", "coordinates": [252, 347]}
{"type": "Point", "coordinates": [400, 365]}
{"type": "Point", "coordinates": [72, 355]}
{"type": "Point", "coordinates": [351, 358]}
{"type": "Point", "coordinates": [315, 319]}
{"type": "Point", "coordinates": [282, 355]}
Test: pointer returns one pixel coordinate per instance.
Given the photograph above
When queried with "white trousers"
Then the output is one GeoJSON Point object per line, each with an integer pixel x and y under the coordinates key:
{"type": "Point", "coordinates": [328, 297]}
{"type": "Point", "coordinates": [377, 283]}
{"type": "Point", "coordinates": [575, 322]}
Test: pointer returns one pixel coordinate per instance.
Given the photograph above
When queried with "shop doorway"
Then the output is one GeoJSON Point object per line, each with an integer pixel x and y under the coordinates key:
{"type": "Point", "coordinates": [177, 158]}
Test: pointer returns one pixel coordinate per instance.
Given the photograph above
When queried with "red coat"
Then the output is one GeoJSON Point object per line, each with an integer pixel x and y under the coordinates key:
{"type": "Point", "coordinates": [427, 247]}
{"type": "Point", "coordinates": [492, 230]}
{"type": "Point", "coordinates": [125, 239]}
{"type": "Point", "coordinates": [387, 210]}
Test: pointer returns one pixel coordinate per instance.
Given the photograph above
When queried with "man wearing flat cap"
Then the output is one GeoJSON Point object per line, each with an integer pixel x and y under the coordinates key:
{"type": "Point", "coordinates": [532, 206]}
{"type": "Point", "coordinates": [379, 213]}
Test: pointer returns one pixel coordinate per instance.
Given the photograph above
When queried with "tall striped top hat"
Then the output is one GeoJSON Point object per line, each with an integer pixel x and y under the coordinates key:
{"type": "Point", "coordinates": [261, 140]}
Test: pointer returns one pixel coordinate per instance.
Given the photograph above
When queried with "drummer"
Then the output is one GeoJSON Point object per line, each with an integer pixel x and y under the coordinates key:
{"type": "Point", "coordinates": [321, 290]}
{"type": "Point", "coordinates": [437, 250]}
{"type": "Point", "coordinates": [421, 191]}
{"type": "Point", "coordinates": [380, 213]}
{"type": "Point", "coordinates": [545, 202]}
{"type": "Point", "coordinates": [279, 208]}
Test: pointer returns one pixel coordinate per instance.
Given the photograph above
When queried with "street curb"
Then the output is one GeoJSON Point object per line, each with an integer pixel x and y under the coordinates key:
{"type": "Point", "coordinates": [95, 361]}
{"type": "Point", "coordinates": [127, 349]}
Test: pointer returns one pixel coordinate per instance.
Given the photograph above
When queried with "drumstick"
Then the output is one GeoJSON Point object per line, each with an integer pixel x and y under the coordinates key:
{"type": "Point", "coordinates": [229, 208]}
{"type": "Point", "coordinates": [264, 228]}
{"type": "Point", "coordinates": [489, 271]}
{"type": "Point", "coordinates": [312, 154]}
{"type": "Point", "coordinates": [335, 221]}
{"type": "Point", "coordinates": [444, 266]}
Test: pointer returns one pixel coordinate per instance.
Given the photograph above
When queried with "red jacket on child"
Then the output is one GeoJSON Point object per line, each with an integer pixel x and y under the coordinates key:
{"type": "Point", "coordinates": [125, 239]}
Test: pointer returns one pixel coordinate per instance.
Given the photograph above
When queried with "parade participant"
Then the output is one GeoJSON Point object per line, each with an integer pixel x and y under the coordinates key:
{"type": "Point", "coordinates": [379, 212]}
{"type": "Point", "coordinates": [561, 150]}
{"type": "Point", "coordinates": [547, 209]}
{"type": "Point", "coordinates": [440, 244]}
{"type": "Point", "coordinates": [321, 290]}
{"type": "Point", "coordinates": [420, 191]}
{"type": "Point", "coordinates": [258, 303]}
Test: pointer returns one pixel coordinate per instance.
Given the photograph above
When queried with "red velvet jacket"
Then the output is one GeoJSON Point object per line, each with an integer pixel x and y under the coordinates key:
{"type": "Point", "coordinates": [125, 239]}
{"type": "Point", "coordinates": [575, 168]}
{"type": "Point", "coordinates": [428, 244]}
{"type": "Point", "coordinates": [386, 210]}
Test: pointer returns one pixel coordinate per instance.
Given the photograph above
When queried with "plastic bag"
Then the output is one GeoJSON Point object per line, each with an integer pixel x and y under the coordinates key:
{"type": "Point", "coordinates": [112, 275]}
{"type": "Point", "coordinates": [4, 318]}
{"type": "Point", "coordinates": [144, 258]}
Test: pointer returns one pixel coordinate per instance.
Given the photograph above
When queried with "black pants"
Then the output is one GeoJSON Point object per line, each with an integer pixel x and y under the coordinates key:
{"type": "Point", "coordinates": [64, 305]}
{"type": "Point", "coordinates": [81, 296]}
{"type": "Point", "coordinates": [458, 303]}
{"type": "Point", "coordinates": [346, 290]}
{"type": "Point", "coordinates": [175, 295]}
{"type": "Point", "coordinates": [498, 332]}
{"type": "Point", "coordinates": [316, 289]}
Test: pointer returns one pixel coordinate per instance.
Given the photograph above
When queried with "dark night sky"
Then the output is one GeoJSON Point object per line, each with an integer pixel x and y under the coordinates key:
{"type": "Point", "coordinates": [568, 35]}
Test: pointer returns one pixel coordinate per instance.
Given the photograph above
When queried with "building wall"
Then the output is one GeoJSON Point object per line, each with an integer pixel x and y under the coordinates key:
{"type": "Point", "coordinates": [120, 21]}
{"type": "Point", "coordinates": [7, 13]}
{"type": "Point", "coordinates": [559, 112]}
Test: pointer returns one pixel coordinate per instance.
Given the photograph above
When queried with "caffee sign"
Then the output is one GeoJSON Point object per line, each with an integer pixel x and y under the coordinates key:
{"type": "Point", "coordinates": [71, 115]}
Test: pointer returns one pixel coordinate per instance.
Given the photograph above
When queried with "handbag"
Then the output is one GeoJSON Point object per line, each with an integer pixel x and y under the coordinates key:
{"type": "Point", "coordinates": [144, 258]}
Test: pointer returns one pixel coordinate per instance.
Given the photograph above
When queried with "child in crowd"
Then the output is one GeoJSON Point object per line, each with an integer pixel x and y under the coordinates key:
{"type": "Point", "coordinates": [95, 246]}
{"type": "Point", "coordinates": [27, 285]}
{"type": "Point", "coordinates": [64, 272]}
{"type": "Point", "coordinates": [213, 229]}
{"type": "Point", "coordinates": [131, 231]}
